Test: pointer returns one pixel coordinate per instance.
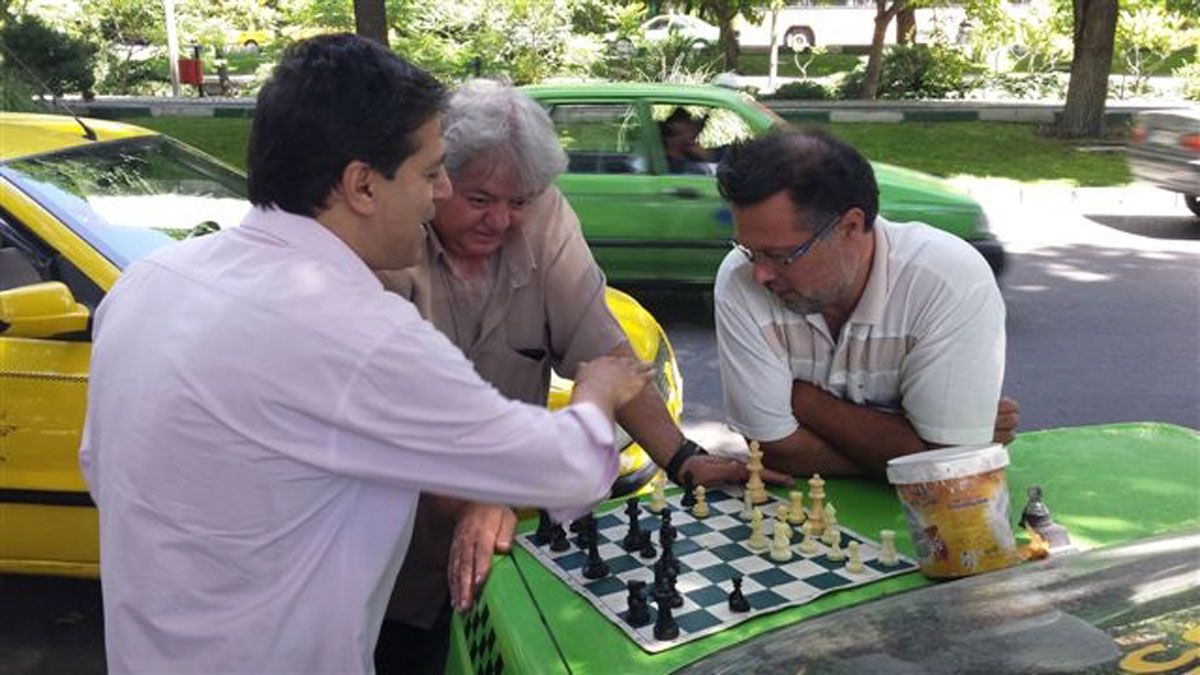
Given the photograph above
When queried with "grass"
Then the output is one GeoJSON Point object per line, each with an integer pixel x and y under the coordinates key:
{"type": "Point", "coordinates": [985, 149]}
{"type": "Point", "coordinates": [223, 138]}
{"type": "Point", "coordinates": [821, 65]}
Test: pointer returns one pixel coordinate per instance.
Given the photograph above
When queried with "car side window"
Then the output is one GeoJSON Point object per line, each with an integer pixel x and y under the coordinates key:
{"type": "Point", "coordinates": [600, 138]}
{"type": "Point", "coordinates": [695, 137]}
{"type": "Point", "coordinates": [25, 260]}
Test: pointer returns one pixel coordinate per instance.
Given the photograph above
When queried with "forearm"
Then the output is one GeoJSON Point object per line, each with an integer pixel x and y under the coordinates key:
{"type": "Point", "coordinates": [648, 421]}
{"type": "Point", "coordinates": [868, 438]}
{"type": "Point", "coordinates": [803, 453]}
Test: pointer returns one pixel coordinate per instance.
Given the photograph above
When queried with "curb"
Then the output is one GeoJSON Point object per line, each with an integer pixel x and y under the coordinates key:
{"type": "Point", "coordinates": [887, 112]}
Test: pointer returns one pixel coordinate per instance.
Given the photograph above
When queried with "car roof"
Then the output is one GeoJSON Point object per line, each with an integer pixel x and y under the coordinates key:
{"type": "Point", "coordinates": [26, 134]}
{"type": "Point", "coordinates": [623, 90]}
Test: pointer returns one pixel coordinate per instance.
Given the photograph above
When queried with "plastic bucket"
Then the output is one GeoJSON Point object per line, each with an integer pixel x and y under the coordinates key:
{"type": "Point", "coordinates": [956, 504]}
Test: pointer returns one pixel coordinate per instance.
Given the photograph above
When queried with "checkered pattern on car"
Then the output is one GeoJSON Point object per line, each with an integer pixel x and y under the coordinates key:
{"type": "Point", "coordinates": [711, 551]}
{"type": "Point", "coordinates": [481, 641]}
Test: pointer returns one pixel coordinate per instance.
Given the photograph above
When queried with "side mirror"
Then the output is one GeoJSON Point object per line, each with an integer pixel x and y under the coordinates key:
{"type": "Point", "coordinates": [41, 310]}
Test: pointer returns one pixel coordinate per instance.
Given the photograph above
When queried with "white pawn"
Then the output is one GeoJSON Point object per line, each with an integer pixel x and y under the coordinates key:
{"type": "Point", "coordinates": [887, 552]}
{"type": "Point", "coordinates": [780, 551]}
{"type": "Point", "coordinates": [796, 511]}
{"type": "Point", "coordinates": [658, 500]}
{"type": "Point", "coordinates": [836, 553]}
{"type": "Point", "coordinates": [758, 540]}
{"type": "Point", "coordinates": [808, 545]}
{"type": "Point", "coordinates": [747, 506]}
{"type": "Point", "coordinates": [700, 508]}
{"type": "Point", "coordinates": [854, 564]}
{"type": "Point", "coordinates": [832, 532]}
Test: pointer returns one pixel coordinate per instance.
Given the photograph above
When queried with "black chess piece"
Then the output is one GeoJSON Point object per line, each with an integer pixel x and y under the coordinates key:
{"type": "Point", "coordinates": [647, 550]}
{"type": "Point", "coordinates": [595, 567]}
{"type": "Point", "coordinates": [545, 529]}
{"type": "Point", "coordinates": [689, 492]}
{"type": "Point", "coordinates": [639, 607]}
{"type": "Point", "coordinates": [586, 532]}
{"type": "Point", "coordinates": [671, 575]}
{"type": "Point", "coordinates": [738, 601]}
{"type": "Point", "coordinates": [1035, 514]}
{"type": "Point", "coordinates": [632, 540]}
{"type": "Point", "coordinates": [558, 539]}
{"type": "Point", "coordinates": [665, 627]}
{"type": "Point", "coordinates": [578, 523]}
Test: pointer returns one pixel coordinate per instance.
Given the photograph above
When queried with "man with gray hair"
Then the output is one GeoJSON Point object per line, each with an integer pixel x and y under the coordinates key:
{"type": "Point", "coordinates": [508, 278]}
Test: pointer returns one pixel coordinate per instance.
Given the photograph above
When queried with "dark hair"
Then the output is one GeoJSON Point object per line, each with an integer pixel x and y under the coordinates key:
{"type": "Point", "coordinates": [330, 100]}
{"type": "Point", "coordinates": [822, 174]}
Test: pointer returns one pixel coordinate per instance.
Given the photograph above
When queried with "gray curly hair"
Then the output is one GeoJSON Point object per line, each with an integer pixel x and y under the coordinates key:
{"type": "Point", "coordinates": [490, 125]}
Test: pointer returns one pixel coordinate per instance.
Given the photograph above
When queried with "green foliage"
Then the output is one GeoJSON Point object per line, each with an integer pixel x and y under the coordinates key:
{"type": "Point", "coordinates": [804, 90]}
{"type": "Point", "coordinates": [671, 60]}
{"type": "Point", "coordinates": [61, 62]}
{"type": "Point", "coordinates": [1027, 85]}
{"type": "Point", "coordinates": [1147, 35]}
{"type": "Point", "coordinates": [1189, 77]}
{"type": "Point", "coordinates": [915, 71]}
{"type": "Point", "coordinates": [19, 95]}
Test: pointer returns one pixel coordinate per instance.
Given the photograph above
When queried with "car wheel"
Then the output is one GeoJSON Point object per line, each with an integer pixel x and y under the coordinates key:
{"type": "Point", "coordinates": [799, 39]}
{"type": "Point", "coordinates": [700, 45]}
{"type": "Point", "coordinates": [1193, 203]}
{"type": "Point", "coordinates": [623, 47]}
{"type": "Point", "coordinates": [251, 46]}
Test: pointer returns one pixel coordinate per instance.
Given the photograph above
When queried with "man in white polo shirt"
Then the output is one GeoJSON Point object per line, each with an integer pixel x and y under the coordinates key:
{"type": "Point", "coordinates": [846, 340]}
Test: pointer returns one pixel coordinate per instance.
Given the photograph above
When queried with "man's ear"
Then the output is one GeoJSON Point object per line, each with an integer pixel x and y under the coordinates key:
{"type": "Point", "coordinates": [356, 188]}
{"type": "Point", "coordinates": [854, 220]}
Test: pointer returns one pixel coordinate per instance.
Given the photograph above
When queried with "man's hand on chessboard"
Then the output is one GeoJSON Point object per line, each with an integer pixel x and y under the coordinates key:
{"type": "Point", "coordinates": [710, 470]}
{"type": "Point", "coordinates": [482, 529]}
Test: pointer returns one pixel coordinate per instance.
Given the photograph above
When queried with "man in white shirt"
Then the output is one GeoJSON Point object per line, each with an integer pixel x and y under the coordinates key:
{"type": "Point", "coordinates": [263, 415]}
{"type": "Point", "coordinates": [846, 340]}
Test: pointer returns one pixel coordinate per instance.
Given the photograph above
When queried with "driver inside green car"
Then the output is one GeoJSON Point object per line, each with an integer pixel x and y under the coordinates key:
{"type": "Point", "coordinates": [680, 133]}
{"type": "Point", "coordinates": [508, 278]}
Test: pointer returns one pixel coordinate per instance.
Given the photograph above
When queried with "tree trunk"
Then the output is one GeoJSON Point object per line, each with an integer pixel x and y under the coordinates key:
{"type": "Point", "coordinates": [729, 45]}
{"type": "Point", "coordinates": [883, 16]}
{"type": "Point", "coordinates": [370, 20]}
{"type": "Point", "coordinates": [906, 26]}
{"type": "Point", "coordinates": [1095, 27]}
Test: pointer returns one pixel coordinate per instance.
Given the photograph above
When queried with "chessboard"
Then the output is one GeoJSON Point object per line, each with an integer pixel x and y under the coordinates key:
{"type": "Point", "coordinates": [711, 552]}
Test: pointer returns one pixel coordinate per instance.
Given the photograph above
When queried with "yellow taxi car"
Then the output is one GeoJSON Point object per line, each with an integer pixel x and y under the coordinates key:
{"type": "Point", "coordinates": [80, 199]}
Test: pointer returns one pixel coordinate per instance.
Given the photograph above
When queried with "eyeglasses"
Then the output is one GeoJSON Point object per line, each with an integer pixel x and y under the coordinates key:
{"type": "Point", "coordinates": [756, 257]}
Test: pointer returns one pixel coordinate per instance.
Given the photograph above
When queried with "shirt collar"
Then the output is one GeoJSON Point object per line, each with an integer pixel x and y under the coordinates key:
{"type": "Point", "coordinates": [869, 309]}
{"type": "Point", "coordinates": [309, 235]}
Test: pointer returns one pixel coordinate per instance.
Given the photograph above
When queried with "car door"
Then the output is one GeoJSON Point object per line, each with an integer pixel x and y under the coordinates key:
{"type": "Point", "coordinates": [47, 519]}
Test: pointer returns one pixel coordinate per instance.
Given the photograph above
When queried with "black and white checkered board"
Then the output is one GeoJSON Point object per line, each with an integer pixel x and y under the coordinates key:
{"type": "Point", "coordinates": [711, 551]}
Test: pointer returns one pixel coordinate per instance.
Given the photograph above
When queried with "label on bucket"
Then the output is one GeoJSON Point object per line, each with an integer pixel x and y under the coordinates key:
{"type": "Point", "coordinates": [960, 525]}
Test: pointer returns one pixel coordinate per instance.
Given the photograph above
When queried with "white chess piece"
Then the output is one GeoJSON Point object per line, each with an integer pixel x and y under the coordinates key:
{"type": "Point", "coordinates": [808, 545]}
{"type": "Point", "coordinates": [888, 557]}
{"type": "Point", "coordinates": [796, 511]}
{"type": "Point", "coordinates": [700, 508]}
{"type": "Point", "coordinates": [747, 506]}
{"type": "Point", "coordinates": [816, 513]}
{"type": "Point", "coordinates": [781, 513]}
{"type": "Point", "coordinates": [754, 485]}
{"type": "Point", "coordinates": [780, 545]}
{"type": "Point", "coordinates": [658, 500]}
{"type": "Point", "coordinates": [836, 553]}
{"type": "Point", "coordinates": [758, 540]}
{"type": "Point", "coordinates": [832, 532]}
{"type": "Point", "coordinates": [854, 564]}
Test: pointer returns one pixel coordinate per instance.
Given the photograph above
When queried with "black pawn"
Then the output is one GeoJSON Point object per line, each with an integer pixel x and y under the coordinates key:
{"type": "Point", "coordinates": [558, 539]}
{"type": "Point", "coordinates": [633, 540]}
{"type": "Point", "coordinates": [1035, 514]}
{"type": "Point", "coordinates": [545, 530]}
{"type": "Point", "coordinates": [595, 567]}
{"type": "Point", "coordinates": [647, 551]}
{"type": "Point", "coordinates": [737, 601]}
{"type": "Point", "coordinates": [639, 607]}
{"type": "Point", "coordinates": [665, 627]}
{"type": "Point", "coordinates": [689, 492]}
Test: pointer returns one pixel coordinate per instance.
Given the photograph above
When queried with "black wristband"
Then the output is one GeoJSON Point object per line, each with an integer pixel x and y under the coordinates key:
{"type": "Point", "coordinates": [686, 449]}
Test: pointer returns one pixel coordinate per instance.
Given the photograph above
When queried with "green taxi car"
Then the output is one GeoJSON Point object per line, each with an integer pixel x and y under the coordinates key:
{"type": "Point", "coordinates": [79, 201]}
{"type": "Point", "coordinates": [647, 225]}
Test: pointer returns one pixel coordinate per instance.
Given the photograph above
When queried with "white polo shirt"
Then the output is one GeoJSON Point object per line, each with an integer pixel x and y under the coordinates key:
{"type": "Point", "coordinates": [926, 339]}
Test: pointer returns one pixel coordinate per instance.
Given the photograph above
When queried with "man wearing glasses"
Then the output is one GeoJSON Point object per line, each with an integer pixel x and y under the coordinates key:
{"type": "Point", "coordinates": [846, 340]}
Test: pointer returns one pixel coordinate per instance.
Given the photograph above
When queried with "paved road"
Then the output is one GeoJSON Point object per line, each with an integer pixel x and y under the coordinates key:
{"type": "Point", "coordinates": [1104, 326]}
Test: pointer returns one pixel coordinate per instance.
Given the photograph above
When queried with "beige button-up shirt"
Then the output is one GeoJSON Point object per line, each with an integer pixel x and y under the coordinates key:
{"type": "Point", "coordinates": [546, 311]}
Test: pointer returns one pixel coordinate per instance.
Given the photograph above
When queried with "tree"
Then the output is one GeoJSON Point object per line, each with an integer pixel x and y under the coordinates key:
{"type": "Point", "coordinates": [723, 12]}
{"type": "Point", "coordinates": [884, 13]}
{"type": "Point", "coordinates": [370, 20]}
{"type": "Point", "coordinates": [1094, 32]}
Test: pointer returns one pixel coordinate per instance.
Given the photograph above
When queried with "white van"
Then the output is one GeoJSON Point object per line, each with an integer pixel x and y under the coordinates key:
{"type": "Point", "coordinates": [842, 23]}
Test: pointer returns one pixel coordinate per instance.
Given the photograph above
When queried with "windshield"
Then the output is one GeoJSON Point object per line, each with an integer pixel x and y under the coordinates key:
{"type": "Point", "coordinates": [127, 199]}
{"type": "Point", "coordinates": [1136, 605]}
